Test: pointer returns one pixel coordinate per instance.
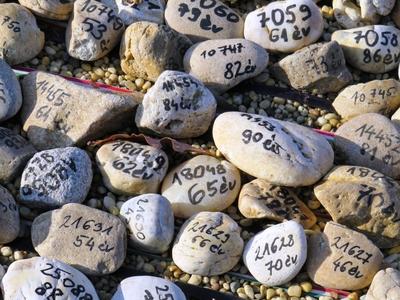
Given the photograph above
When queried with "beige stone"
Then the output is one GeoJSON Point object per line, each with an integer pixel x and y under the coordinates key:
{"type": "Point", "coordinates": [385, 285]}
{"type": "Point", "coordinates": [349, 14]}
{"type": "Point", "coordinates": [51, 9]}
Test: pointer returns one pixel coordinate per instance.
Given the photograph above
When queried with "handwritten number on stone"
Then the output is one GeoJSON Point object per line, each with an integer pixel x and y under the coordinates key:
{"type": "Point", "coordinates": [100, 28]}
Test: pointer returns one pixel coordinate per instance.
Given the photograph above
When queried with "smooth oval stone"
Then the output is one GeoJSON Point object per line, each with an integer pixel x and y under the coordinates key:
{"type": "Point", "coordinates": [370, 140]}
{"type": "Point", "coordinates": [281, 152]}
{"type": "Point", "coordinates": [385, 285]}
{"type": "Point", "coordinates": [202, 20]}
{"type": "Point", "coordinates": [61, 113]}
{"type": "Point", "coordinates": [134, 288]}
{"type": "Point", "coordinates": [131, 11]}
{"type": "Point", "coordinates": [342, 258]}
{"type": "Point", "coordinates": [222, 64]}
{"type": "Point", "coordinates": [260, 199]}
{"type": "Point", "coordinates": [285, 26]}
{"type": "Point", "coordinates": [55, 177]}
{"type": "Point", "coordinates": [9, 217]}
{"type": "Point", "coordinates": [20, 37]}
{"type": "Point", "coordinates": [15, 151]}
{"type": "Point", "coordinates": [349, 14]}
{"type": "Point", "coordinates": [178, 105]}
{"type": "Point", "coordinates": [364, 200]}
{"type": "Point", "coordinates": [88, 239]}
{"type": "Point", "coordinates": [276, 255]}
{"type": "Point", "coordinates": [148, 49]}
{"type": "Point", "coordinates": [209, 243]}
{"type": "Point", "coordinates": [130, 168]}
{"type": "Point", "coordinates": [51, 9]}
{"type": "Point", "coordinates": [202, 183]}
{"type": "Point", "coordinates": [93, 30]}
{"type": "Point", "coordinates": [373, 49]}
{"type": "Point", "coordinates": [40, 277]}
{"type": "Point", "coordinates": [10, 92]}
{"type": "Point", "coordinates": [377, 96]}
{"type": "Point", "coordinates": [319, 67]}
{"type": "Point", "coordinates": [150, 221]}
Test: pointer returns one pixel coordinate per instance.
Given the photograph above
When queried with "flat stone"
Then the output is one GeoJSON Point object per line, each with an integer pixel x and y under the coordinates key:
{"type": "Point", "coordinates": [93, 30]}
{"type": "Point", "coordinates": [209, 243]}
{"type": "Point", "coordinates": [150, 221]}
{"type": "Point", "coordinates": [385, 285]}
{"type": "Point", "coordinates": [131, 12]}
{"type": "Point", "coordinates": [276, 255]}
{"type": "Point", "coordinates": [149, 286]}
{"type": "Point", "coordinates": [18, 27]}
{"type": "Point", "coordinates": [60, 113]}
{"type": "Point", "coordinates": [56, 177]}
{"type": "Point", "coordinates": [370, 140]}
{"type": "Point", "coordinates": [364, 200]}
{"type": "Point", "coordinates": [148, 49]}
{"type": "Point", "coordinates": [320, 67]}
{"type": "Point", "coordinates": [281, 152]}
{"type": "Point", "coordinates": [15, 151]}
{"type": "Point", "coordinates": [86, 238]}
{"type": "Point", "coordinates": [285, 26]}
{"type": "Point", "coordinates": [202, 20]}
{"type": "Point", "coordinates": [223, 64]}
{"type": "Point", "coordinates": [373, 49]}
{"type": "Point", "coordinates": [9, 217]}
{"type": "Point", "coordinates": [10, 92]}
{"type": "Point", "coordinates": [260, 199]}
{"type": "Point", "coordinates": [130, 168]}
{"type": "Point", "coordinates": [178, 105]}
{"type": "Point", "coordinates": [50, 9]}
{"type": "Point", "coordinates": [203, 183]}
{"type": "Point", "coordinates": [41, 278]}
{"type": "Point", "coordinates": [377, 96]}
{"type": "Point", "coordinates": [342, 258]}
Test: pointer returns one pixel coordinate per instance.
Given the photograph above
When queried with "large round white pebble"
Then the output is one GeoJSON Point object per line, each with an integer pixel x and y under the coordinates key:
{"type": "Point", "coordinates": [275, 255]}
{"type": "Point", "coordinates": [150, 220]}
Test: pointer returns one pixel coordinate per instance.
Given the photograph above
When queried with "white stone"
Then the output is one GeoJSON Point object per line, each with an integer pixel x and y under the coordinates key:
{"type": "Point", "coordinates": [222, 64]}
{"type": "Point", "coordinates": [209, 243]}
{"type": "Point", "coordinates": [348, 14]}
{"type": "Point", "coordinates": [130, 168]}
{"type": "Point", "coordinates": [385, 285]}
{"type": "Point", "coordinates": [285, 26]}
{"type": "Point", "coordinates": [202, 183]}
{"type": "Point", "coordinates": [51, 9]}
{"type": "Point", "coordinates": [42, 278]}
{"type": "Point", "coordinates": [10, 92]}
{"type": "Point", "coordinates": [9, 217]}
{"type": "Point", "coordinates": [373, 49]}
{"type": "Point", "coordinates": [202, 20]}
{"type": "Point", "coordinates": [149, 287]}
{"type": "Point", "coordinates": [280, 152]}
{"type": "Point", "coordinates": [178, 106]}
{"type": "Point", "coordinates": [150, 221]}
{"type": "Point", "coordinates": [277, 254]}
{"type": "Point", "coordinates": [55, 177]}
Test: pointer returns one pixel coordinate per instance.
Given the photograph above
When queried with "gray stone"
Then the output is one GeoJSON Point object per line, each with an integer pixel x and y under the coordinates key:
{"type": "Point", "coordinates": [20, 37]}
{"type": "Point", "coordinates": [88, 239]}
{"type": "Point", "coordinates": [178, 105]}
{"type": "Point", "coordinates": [93, 30]}
{"type": "Point", "coordinates": [51, 9]}
{"type": "Point", "coordinates": [363, 200]}
{"type": "Point", "coordinates": [10, 92]}
{"type": "Point", "coordinates": [385, 285]}
{"type": "Point", "coordinates": [201, 20]}
{"type": "Point", "coordinates": [281, 152]}
{"type": "Point", "coordinates": [285, 26]}
{"type": "Point", "coordinates": [60, 113]}
{"type": "Point", "coordinates": [152, 287]}
{"type": "Point", "coordinates": [56, 177]}
{"type": "Point", "coordinates": [130, 168]}
{"type": "Point", "coordinates": [319, 67]}
{"type": "Point", "coordinates": [150, 221]}
{"type": "Point", "coordinates": [15, 151]}
{"type": "Point", "coordinates": [42, 278]}
{"type": "Point", "coordinates": [9, 217]}
{"type": "Point", "coordinates": [209, 243]}
{"type": "Point", "coordinates": [223, 64]}
{"type": "Point", "coordinates": [148, 49]}
{"type": "Point", "coordinates": [370, 140]}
